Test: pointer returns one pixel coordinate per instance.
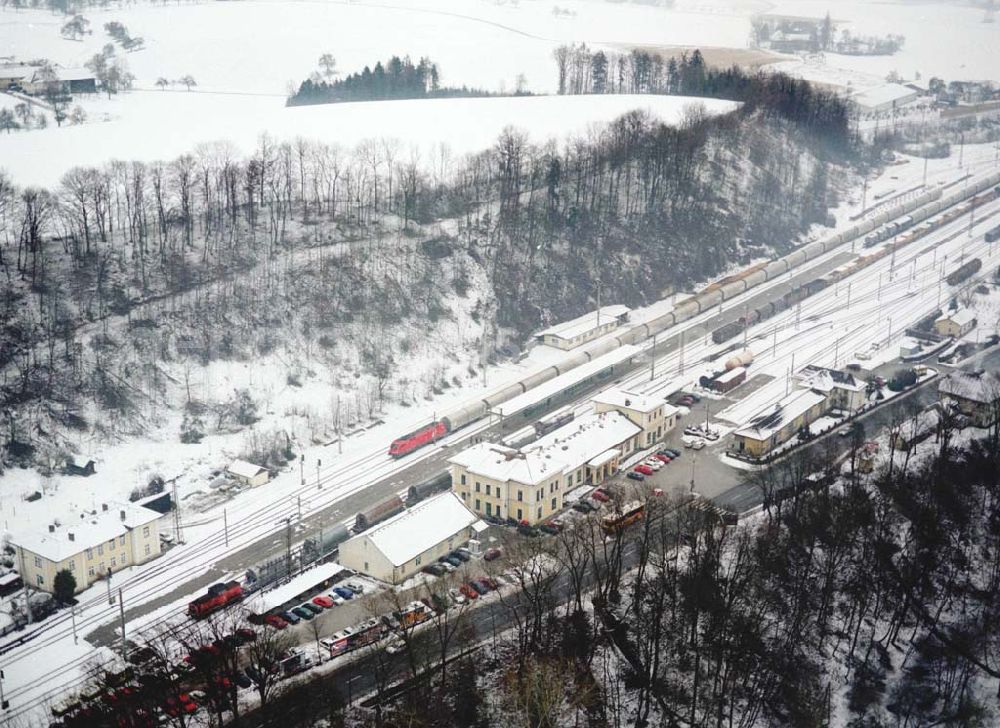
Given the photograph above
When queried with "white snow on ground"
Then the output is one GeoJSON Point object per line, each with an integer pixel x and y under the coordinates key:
{"type": "Point", "coordinates": [161, 125]}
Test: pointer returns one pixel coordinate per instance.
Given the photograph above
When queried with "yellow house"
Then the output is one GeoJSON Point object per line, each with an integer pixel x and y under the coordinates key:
{"type": "Point", "coordinates": [529, 484]}
{"type": "Point", "coordinates": [248, 473]}
{"type": "Point", "coordinates": [778, 424]}
{"type": "Point", "coordinates": [653, 415]}
{"type": "Point", "coordinates": [570, 334]}
{"type": "Point", "coordinates": [956, 324]}
{"type": "Point", "coordinates": [88, 544]}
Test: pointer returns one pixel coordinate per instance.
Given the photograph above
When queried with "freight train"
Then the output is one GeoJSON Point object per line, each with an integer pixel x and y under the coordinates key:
{"type": "Point", "coordinates": [964, 272]}
{"type": "Point", "coordinates": [216, 597]}
{"type": "Point", "coordinates": [920, 208]}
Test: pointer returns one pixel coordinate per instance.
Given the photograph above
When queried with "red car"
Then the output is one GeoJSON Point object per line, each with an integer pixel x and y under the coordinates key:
{"type": "Point", "coordinates": [492, 554]}
{"type": "Point", "coordinates": [600, 495]}
{"type": "Point", "coordinates": [323, 601]}
{"type": "Point", "coordinates": [644, 469]}
{"type": "Point", "coordinates": [468, 591]}
{"type": "Point", "coordinates": [663, 458]}
{"type": "Point", "coordinates": [275, 621]}
{"type": "Point", "coordinates": [490, 582]}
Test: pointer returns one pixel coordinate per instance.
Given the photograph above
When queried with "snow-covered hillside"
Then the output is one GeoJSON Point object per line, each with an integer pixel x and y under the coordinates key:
{"type": "Point", "coordinates": [161, 125]}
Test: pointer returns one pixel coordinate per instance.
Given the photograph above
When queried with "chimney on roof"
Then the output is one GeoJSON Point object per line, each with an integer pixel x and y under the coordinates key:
{"type": "Point", "coordinates": [52, 528]}
{"type": "Point", "coordinates": [628, 402]}
{"type": "Point", "coordinates": [122, 514]}
{"type": "Point", "coordinates": [71, 536]}
{"type": "Point", "coordinates": [104, 506]}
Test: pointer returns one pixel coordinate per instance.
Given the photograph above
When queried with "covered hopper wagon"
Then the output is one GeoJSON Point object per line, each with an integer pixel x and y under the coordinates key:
{"type": "Point", "coordinates": [378, 513]}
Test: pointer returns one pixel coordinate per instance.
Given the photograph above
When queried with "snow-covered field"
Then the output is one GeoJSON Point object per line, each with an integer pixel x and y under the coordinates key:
{"type": "Point", "coordinates": [161, 125]}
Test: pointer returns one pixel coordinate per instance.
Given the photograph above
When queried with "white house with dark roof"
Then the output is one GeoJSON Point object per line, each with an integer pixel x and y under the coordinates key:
{"type": "Point", "coordinates": [87, 543]}
{"type": "Point", "coordinates": [398, 548]}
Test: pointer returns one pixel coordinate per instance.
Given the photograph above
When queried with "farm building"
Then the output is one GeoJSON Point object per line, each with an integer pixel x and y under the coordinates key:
{"type": "Point", "coordinates": [67, 81]}
{"type": "Point", "coordinates": [400, 547]}
{"type": "Point", "coordinates": [652, 414]}
{"type": "Point", "coordinates": [956, 324]}
{"type": "Point", "coordinates": [15, 74]}
{"type": "Point", "coordinates": [886, 97]}
{"type": "Point", "coordinates": [778, 424]}
{"type": "Point", "coordinates": [529, 484]}
{"type": "Point", "coordinates": [571, 334]}
{"type": "Point", "coordinates": [248, 473]}
{"type": "Point", "coordinates": [977, 395]}
{"type": "Point", "coordinates": [89, 543]}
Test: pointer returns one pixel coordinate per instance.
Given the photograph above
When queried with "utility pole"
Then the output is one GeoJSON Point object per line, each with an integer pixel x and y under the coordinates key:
{"type": "Point", "coordinates": [121, 616]}
{"type": "Point", "coordinates": [3, 701]}
{"type": "Point", "coordinates": [288, 545]}
{"type": "Point", "coordinates": [111, 598]}
{"type": "Point", "coordinates": [652, 360]}
{"type": "Point", "coordinates": [318, 464]}
{"type": "Point", "coordinates": [299, 501]}
{"type": "Point", "coordinates": [225, 526]}
{"type": "Point", "coordinates": [746, 325]}
{"type": "Point", "coordinates": [302, 469]}
{"type": "Point", "coordinates": [680, 361]}
{"type": "Point", "coordinates": [694, 459]}
{"type": "Point", "coordinates": [925, 172]}
{"type": "Point", "coordinates": [72, 614]}
{"type": "Point", "coordinates": [177, 515]}
{"type": "Point", "coordinates": [24, 583]}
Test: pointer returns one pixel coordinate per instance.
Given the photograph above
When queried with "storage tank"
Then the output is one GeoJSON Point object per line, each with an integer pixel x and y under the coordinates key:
{"type": "Point", "coordinates": [438, 483]}
{"type": "Point", "coordinates": [324, 542]}
{"type": "Point", "coordinates": [742, 359]}
{"type": "Point", "coordinates": [378, 513]}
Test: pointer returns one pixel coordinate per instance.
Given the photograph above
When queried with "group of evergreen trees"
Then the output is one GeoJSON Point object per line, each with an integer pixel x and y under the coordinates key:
{"type": "Point", "coordinates": [399, 78]}
{"type": "Point", "coordinates": [581, 71]}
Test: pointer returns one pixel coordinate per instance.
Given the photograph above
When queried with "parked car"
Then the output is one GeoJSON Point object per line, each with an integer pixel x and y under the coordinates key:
{"type": "Point", "coordinates": [448, 568]}
{"type": "Point", "coordinates": [457, 596]}
{"type": "Point", "coordinates": [314, 608]}
{"type": "Point", "coordinates": [275, 621]}
{"type": "Point", "coordinates": [663, 458]}
{"type": "Point", "coordinates": [671, 452]}
{"type": "Point", "coordinates": [449, 559]}
{"type": "Point", "coordinates": [635, 476]}
{"type": "Point", "coordinates": [582, 506]}
{"type": "Point", "coordinates": [492, 554]}
{"type": "Point", "coordinates": [463, 550]}
{"type": "Point", "coordinates": [480, 588]}
{"type": "Point", "coordinates": [343, 592]}
{"type": "Point", "coordinates": [395, 645]}
{"type": "Point", "coordinates": [653, 464]}
{"type": "Point", "coordinates": [346, 588]}
{"type": "Point", "coordinates": [697, 444]}
{"type": "Point", "coordinates": [290, 617]}
{"type": "Point", "coordinates": [241, 679]}
{"type": "Point", "coordinates": [323, 601]}
{"type": "Point", "coordinates": [525, 530]}
{"type": "Point", "coordinates": [336, 598]}
{"type": "Point", "coordinates": [434, 570]}
{"type": "Point", "coordinates": [644, 469]}
{"type": "Point", "coordinates": [468, 591]}
{"type": "Point", "coordinates": [245, 635]}
{"type": "Point", "coordinates": [303, 613]}
{"type": "Point", "coordinates": [600, 495]}
{"type": "Point", "coordinates": [549, 529]}
{"type": "Point", "coordinates": [460, 556]}
{"type": "Point", "coordinates": [356, 587]}
{"type": "Point", "coordinates": [490, 582]}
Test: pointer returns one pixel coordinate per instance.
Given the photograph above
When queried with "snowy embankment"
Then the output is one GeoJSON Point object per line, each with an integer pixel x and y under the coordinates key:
{"type": "Point", "coordinates": [161, 125]}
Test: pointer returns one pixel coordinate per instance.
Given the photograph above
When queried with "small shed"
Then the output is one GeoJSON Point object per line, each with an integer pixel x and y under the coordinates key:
{"type": "Point", "coordinates": [248, 473]}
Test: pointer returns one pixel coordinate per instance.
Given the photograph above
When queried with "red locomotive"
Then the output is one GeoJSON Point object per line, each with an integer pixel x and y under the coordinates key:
{"type": "Point", "coordinates": [418, 438]}
{"type": "Point", "coordinates": [217, 597]}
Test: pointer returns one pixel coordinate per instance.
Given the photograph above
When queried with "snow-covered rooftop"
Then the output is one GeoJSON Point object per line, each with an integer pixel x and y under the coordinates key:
{"type": "Point", "coordinates": [961, 317]}
{"type": "Point", "coordinates": [772, 420]}
{"type": "Point", "coordinates": [632, 400]}
{"type": "Point", "coordinates": [824, 380]}
{"type": "Point", "coordinates": [885, 94]}
{"type": "Point", "coordinates": [406, 536]}
{"type": "Point", "coordinates": [979, 386]}
{"type": "Point", "coordinates": [587, 322]}
{"type": "Point", "coordinates": [563, 450]}
{"type": "Point", "coordinates": [244, 469]}
{"type": "Point", "coordinates": [76, 529]}
{"type": "Point", "coordinates": [266, 601]}
{"type": "Point", "coordinates": [731, 375]}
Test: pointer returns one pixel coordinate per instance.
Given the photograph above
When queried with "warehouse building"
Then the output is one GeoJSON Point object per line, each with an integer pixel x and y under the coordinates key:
{"type": "Point", "coordinates": [882, 98]}
{"type": "Point", "coordinates": [780, 423]}
{"type": "Point", "coordinates": [529, 484]}
{"type": "Point", "coordinates": [398, 548]}
{"type": "Point", "coordinates": [571, 334]}
{"type": "Point", "coordinates": [89, 544]}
